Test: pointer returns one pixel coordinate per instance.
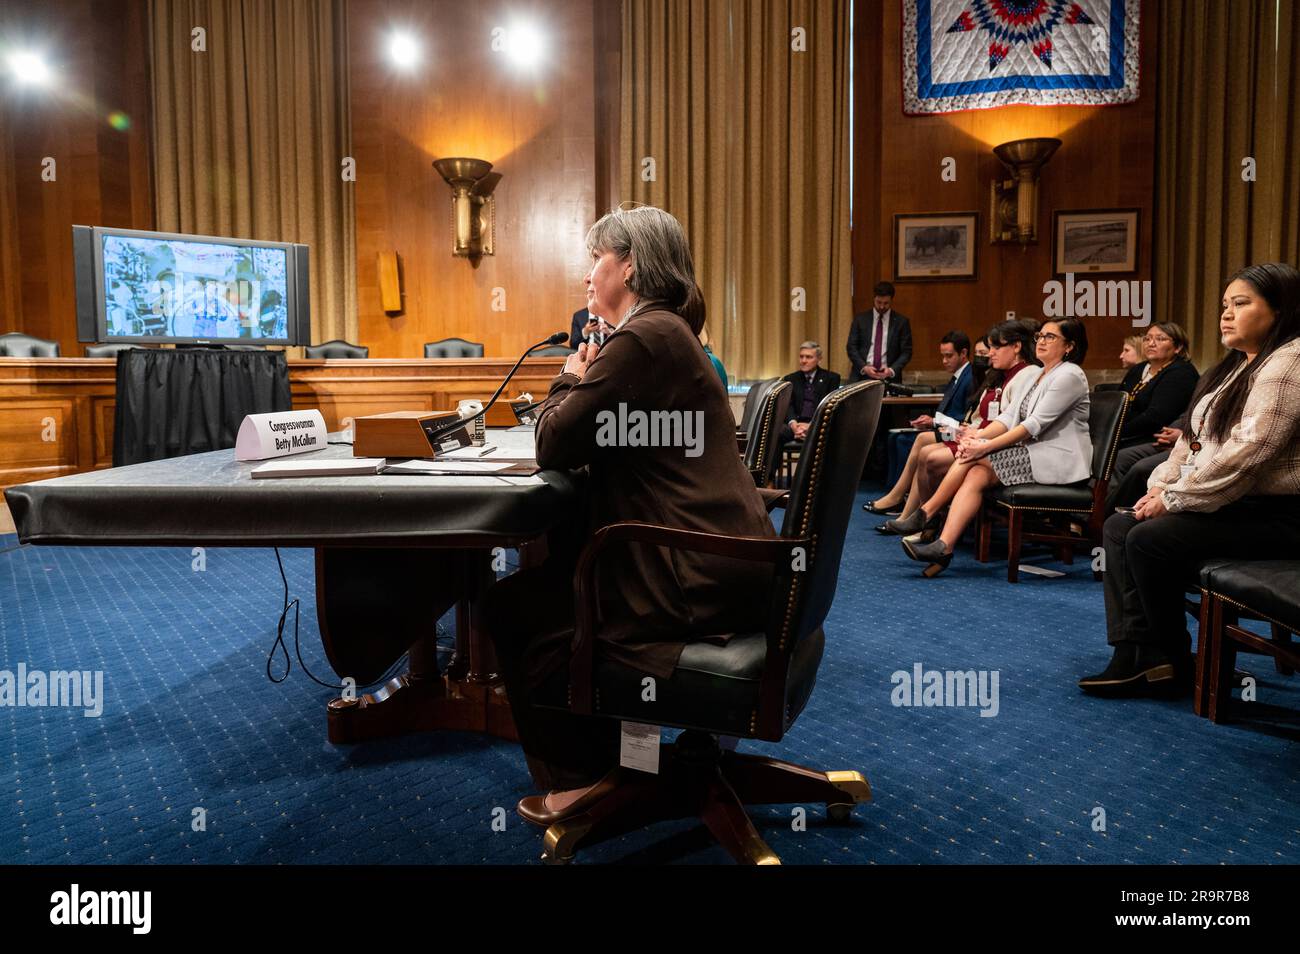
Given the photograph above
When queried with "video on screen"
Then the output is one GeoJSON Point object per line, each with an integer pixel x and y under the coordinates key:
{"type": "Point", "coordinates": [172, 288]}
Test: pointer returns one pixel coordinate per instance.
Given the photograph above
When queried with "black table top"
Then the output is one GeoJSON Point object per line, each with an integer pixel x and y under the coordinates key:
{"type": "Point", "coordinates": [211, 500]}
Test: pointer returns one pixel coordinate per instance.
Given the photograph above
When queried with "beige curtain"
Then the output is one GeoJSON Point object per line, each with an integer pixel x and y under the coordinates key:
{"type": "Point", "coordinates": [10, 269]}
{"type": "Point", "coordinates": [250, 135]}
{"type": "Point", "coordinates": [1228, 90]}
{"type": "Point", "coordinates": [735, 119]}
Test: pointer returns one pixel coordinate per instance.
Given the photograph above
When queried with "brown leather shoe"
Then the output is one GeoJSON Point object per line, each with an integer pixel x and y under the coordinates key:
{"type": "Point", "coordinates": [532, 808]}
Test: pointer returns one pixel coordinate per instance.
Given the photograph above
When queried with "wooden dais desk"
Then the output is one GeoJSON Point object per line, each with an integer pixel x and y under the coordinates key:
{"type": "Point", "coordinates": [56, 414]}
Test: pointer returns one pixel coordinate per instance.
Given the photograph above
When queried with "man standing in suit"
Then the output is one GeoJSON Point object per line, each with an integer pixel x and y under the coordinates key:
{"type": "Point", "coordinates": [880, 340]}
{"type": "Point", "coordinates": [811, 383]}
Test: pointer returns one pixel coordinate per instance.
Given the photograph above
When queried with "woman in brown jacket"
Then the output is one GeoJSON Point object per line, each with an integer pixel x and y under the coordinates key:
{"type": "Point", "coordinates": [648, 418]}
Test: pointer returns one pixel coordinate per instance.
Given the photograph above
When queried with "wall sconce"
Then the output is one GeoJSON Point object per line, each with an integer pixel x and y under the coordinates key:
{"type": "Point", "coordinates": [1013, 216]}
{"type": "Point", "coordinates": [472, 207]}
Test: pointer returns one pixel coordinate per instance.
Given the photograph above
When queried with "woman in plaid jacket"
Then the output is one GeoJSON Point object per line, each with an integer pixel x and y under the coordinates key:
{"type": "Point", "coordinates": [1229, 490]}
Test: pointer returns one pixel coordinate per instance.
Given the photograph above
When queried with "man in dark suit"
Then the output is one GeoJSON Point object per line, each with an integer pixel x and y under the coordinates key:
{"type": "Point", "coordinates": [583, 325]}
{"type": "Point", "coordinates": [577, 330]}
{"type": "Point", "coordinates": [811, 383]}
{"type": "Point", "coordinates": [880, 340]}
{"type": "Point", "coordinates": [954, 355]}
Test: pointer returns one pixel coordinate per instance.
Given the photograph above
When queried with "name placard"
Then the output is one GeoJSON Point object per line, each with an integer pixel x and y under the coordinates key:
{"type": "Point", "coordinates": [280, 434]}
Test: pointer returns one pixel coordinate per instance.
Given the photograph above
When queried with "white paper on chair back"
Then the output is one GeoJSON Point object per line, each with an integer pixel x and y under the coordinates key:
{"type": "Point", "coordinates": [280, 434]}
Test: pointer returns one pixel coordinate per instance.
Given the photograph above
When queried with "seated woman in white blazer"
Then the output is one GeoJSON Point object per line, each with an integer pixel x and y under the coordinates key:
{"type": "Point", "coordinates": [1044, 439]}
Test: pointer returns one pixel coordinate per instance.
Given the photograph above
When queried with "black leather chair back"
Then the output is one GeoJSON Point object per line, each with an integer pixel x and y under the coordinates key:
{"type": "Point", "coordinates": [15, 344]}
{"type": "Point", "coordinates": [821, 501]}
{"type": "Point", "coordinates": [753, 398]}
{"type": "Point", "coordinates": [453, 348]}
{"type": "Point", "coordinates": [553, 351]}
{"type": "Point", "coordinates": [336, 349]}
{"type": "Point", "coordinates": [1106, 411]}
{"type": "Point", "coordinates": [763, 450]}
{"type": "Point", "coordinates": [108, 350]}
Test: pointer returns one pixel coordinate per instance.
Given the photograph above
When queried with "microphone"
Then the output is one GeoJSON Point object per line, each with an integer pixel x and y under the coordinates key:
{"type": "Point", "coordinates": [560, 337]}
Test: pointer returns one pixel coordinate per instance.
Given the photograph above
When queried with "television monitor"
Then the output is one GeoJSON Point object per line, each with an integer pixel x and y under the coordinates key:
{"type": "Point", "coordinates": [162, 287]}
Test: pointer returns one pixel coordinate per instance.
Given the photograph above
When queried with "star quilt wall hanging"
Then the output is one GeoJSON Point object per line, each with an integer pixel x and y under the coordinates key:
{"type": "Point", "coordinates": [981, 54]}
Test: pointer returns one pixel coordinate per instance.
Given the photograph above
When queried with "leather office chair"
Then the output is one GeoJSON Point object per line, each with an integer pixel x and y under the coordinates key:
{"type": "Point", "coordinates": [15, 344]}
{"type": "Point", "coordinates": [753, 398]}
{"type": "Point", "coordinates": [453, 348]}
{"type": "Point", "coordinates": [761, 452]}
{"type": "Point", "coordinates": [1264, 589]}
{"type": "Point", "coordinates": [754, 686]}
{"type": "Point", "coordinates": [554, 351]}
{"type": "Point", "coordinates": [1083, 502]}
{"type": "Point", "coordinates": [108, 350]}
{"type": "Point", "coordinates": [336, 349]}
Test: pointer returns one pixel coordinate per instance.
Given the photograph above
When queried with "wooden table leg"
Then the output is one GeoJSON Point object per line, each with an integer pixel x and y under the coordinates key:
{"type": "Point", "coordinates": [373, 605]}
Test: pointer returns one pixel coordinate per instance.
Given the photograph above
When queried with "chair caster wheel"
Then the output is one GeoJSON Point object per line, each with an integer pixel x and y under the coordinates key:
{"type": "Point", "coordinates": [839, 812]}
{"type": "Point", "coordinates": [550, 859]}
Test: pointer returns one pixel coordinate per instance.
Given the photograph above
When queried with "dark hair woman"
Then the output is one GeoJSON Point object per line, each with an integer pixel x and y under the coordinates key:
{"type": "Point", "coordinates": [1159, 388]}
{"type": "Point", "coordinates": [651, 601]}
{"type": "Point", "coordinates": [1043, 439]}
{"type": "Point", "coordinates": [1229, 490]}
{"type": "Point", "coordinates": [1011, 352]}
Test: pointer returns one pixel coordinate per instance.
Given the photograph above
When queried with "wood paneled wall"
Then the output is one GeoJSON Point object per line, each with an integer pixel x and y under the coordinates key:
{"type": "Point", "coordinates": [540, 132]}
{"type": "Point", "coordinates": [101, 174]}
{"type": "Point", "coordinates": [1106, 160]}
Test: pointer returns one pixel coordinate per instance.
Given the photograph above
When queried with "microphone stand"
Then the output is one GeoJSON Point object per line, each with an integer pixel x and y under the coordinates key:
{"type": "Point", "coordinates": [434, 433]}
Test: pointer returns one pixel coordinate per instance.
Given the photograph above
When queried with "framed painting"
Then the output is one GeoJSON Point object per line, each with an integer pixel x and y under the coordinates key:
{"type": "Point", "coordinates": [935, 246]}
{"type": "Point", "coordinates": [1093, 241]}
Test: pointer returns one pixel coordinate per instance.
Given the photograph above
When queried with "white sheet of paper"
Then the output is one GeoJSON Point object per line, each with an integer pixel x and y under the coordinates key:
{"type": "Point", "coordinates": [472, 453]}
{"type": "Point", "coordinates": [447, 467]}
{"type": "Point", "coordinates": [639, 747]}
{"type": "Point", "coordinates": [943, 420]}
{"type": "Point", "coordinates": [1039, 570]}
{"type": "Point", "coordinates": [309, 467]}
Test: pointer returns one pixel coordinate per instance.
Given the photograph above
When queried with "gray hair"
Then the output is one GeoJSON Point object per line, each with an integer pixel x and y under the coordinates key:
{"type": "Point", "coordinates": [662, 267]}
{"type": "Point", "coordinates": [814, 346]}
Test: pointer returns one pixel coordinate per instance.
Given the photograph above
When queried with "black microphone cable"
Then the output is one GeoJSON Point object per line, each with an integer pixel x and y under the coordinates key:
{"type": "Point", "coordinates": [279, 644]}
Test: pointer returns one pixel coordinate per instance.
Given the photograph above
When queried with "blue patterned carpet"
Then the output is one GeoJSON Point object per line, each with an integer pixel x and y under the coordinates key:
{"type": "Point", "coordinates": [191, 721]}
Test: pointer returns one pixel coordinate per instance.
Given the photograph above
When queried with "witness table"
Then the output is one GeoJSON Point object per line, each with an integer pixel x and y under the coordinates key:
{"type": "Point", "coordinates": [393, 554]}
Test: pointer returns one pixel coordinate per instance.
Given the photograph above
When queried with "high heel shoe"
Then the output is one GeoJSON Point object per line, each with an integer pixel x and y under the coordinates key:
{"type": "Point", "coordinates": [870, 507]}
{"type": "Point", "coordinates": [914, 523]}
{"type": "Point", "coordinates": [935, 554]}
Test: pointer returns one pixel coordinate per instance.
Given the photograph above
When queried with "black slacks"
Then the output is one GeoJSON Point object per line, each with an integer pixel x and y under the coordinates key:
{"type": "Point", "coordinates": [1150, 563]}
{"type": "Point", "coordinates": [1132, 470]}
{"type": "Point", "coordinates": [530, 618]}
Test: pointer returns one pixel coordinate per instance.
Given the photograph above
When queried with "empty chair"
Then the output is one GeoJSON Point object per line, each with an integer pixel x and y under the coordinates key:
{"type": "Point", "coordinates": [753, 397]}
{"type": "Point", "coordinates": [1263, 590]}
{"type": "Point", "coordinates": [15, 344]}
{"type": "Point", "coordinates": [338, 348]}
{"type": "Point", "coordinates": [108, 350]}
{"type": "Point", "coordinates": [761, 451]}
{"type": "Point", "coordinates": [453, 348]}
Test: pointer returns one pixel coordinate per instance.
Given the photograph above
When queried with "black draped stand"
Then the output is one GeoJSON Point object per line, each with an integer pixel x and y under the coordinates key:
{"type": "Point", "coordinates": [190, 400]}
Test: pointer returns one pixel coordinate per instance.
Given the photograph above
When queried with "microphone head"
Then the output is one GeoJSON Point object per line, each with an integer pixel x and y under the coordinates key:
{"type": "Point", "coordinates": [560, 337]}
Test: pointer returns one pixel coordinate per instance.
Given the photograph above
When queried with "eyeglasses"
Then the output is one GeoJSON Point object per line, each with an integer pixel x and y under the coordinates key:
{"type": "Point", "coordinates": [1046, 337]}
{"type": "Point", "coordinates": [1157, 339]}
